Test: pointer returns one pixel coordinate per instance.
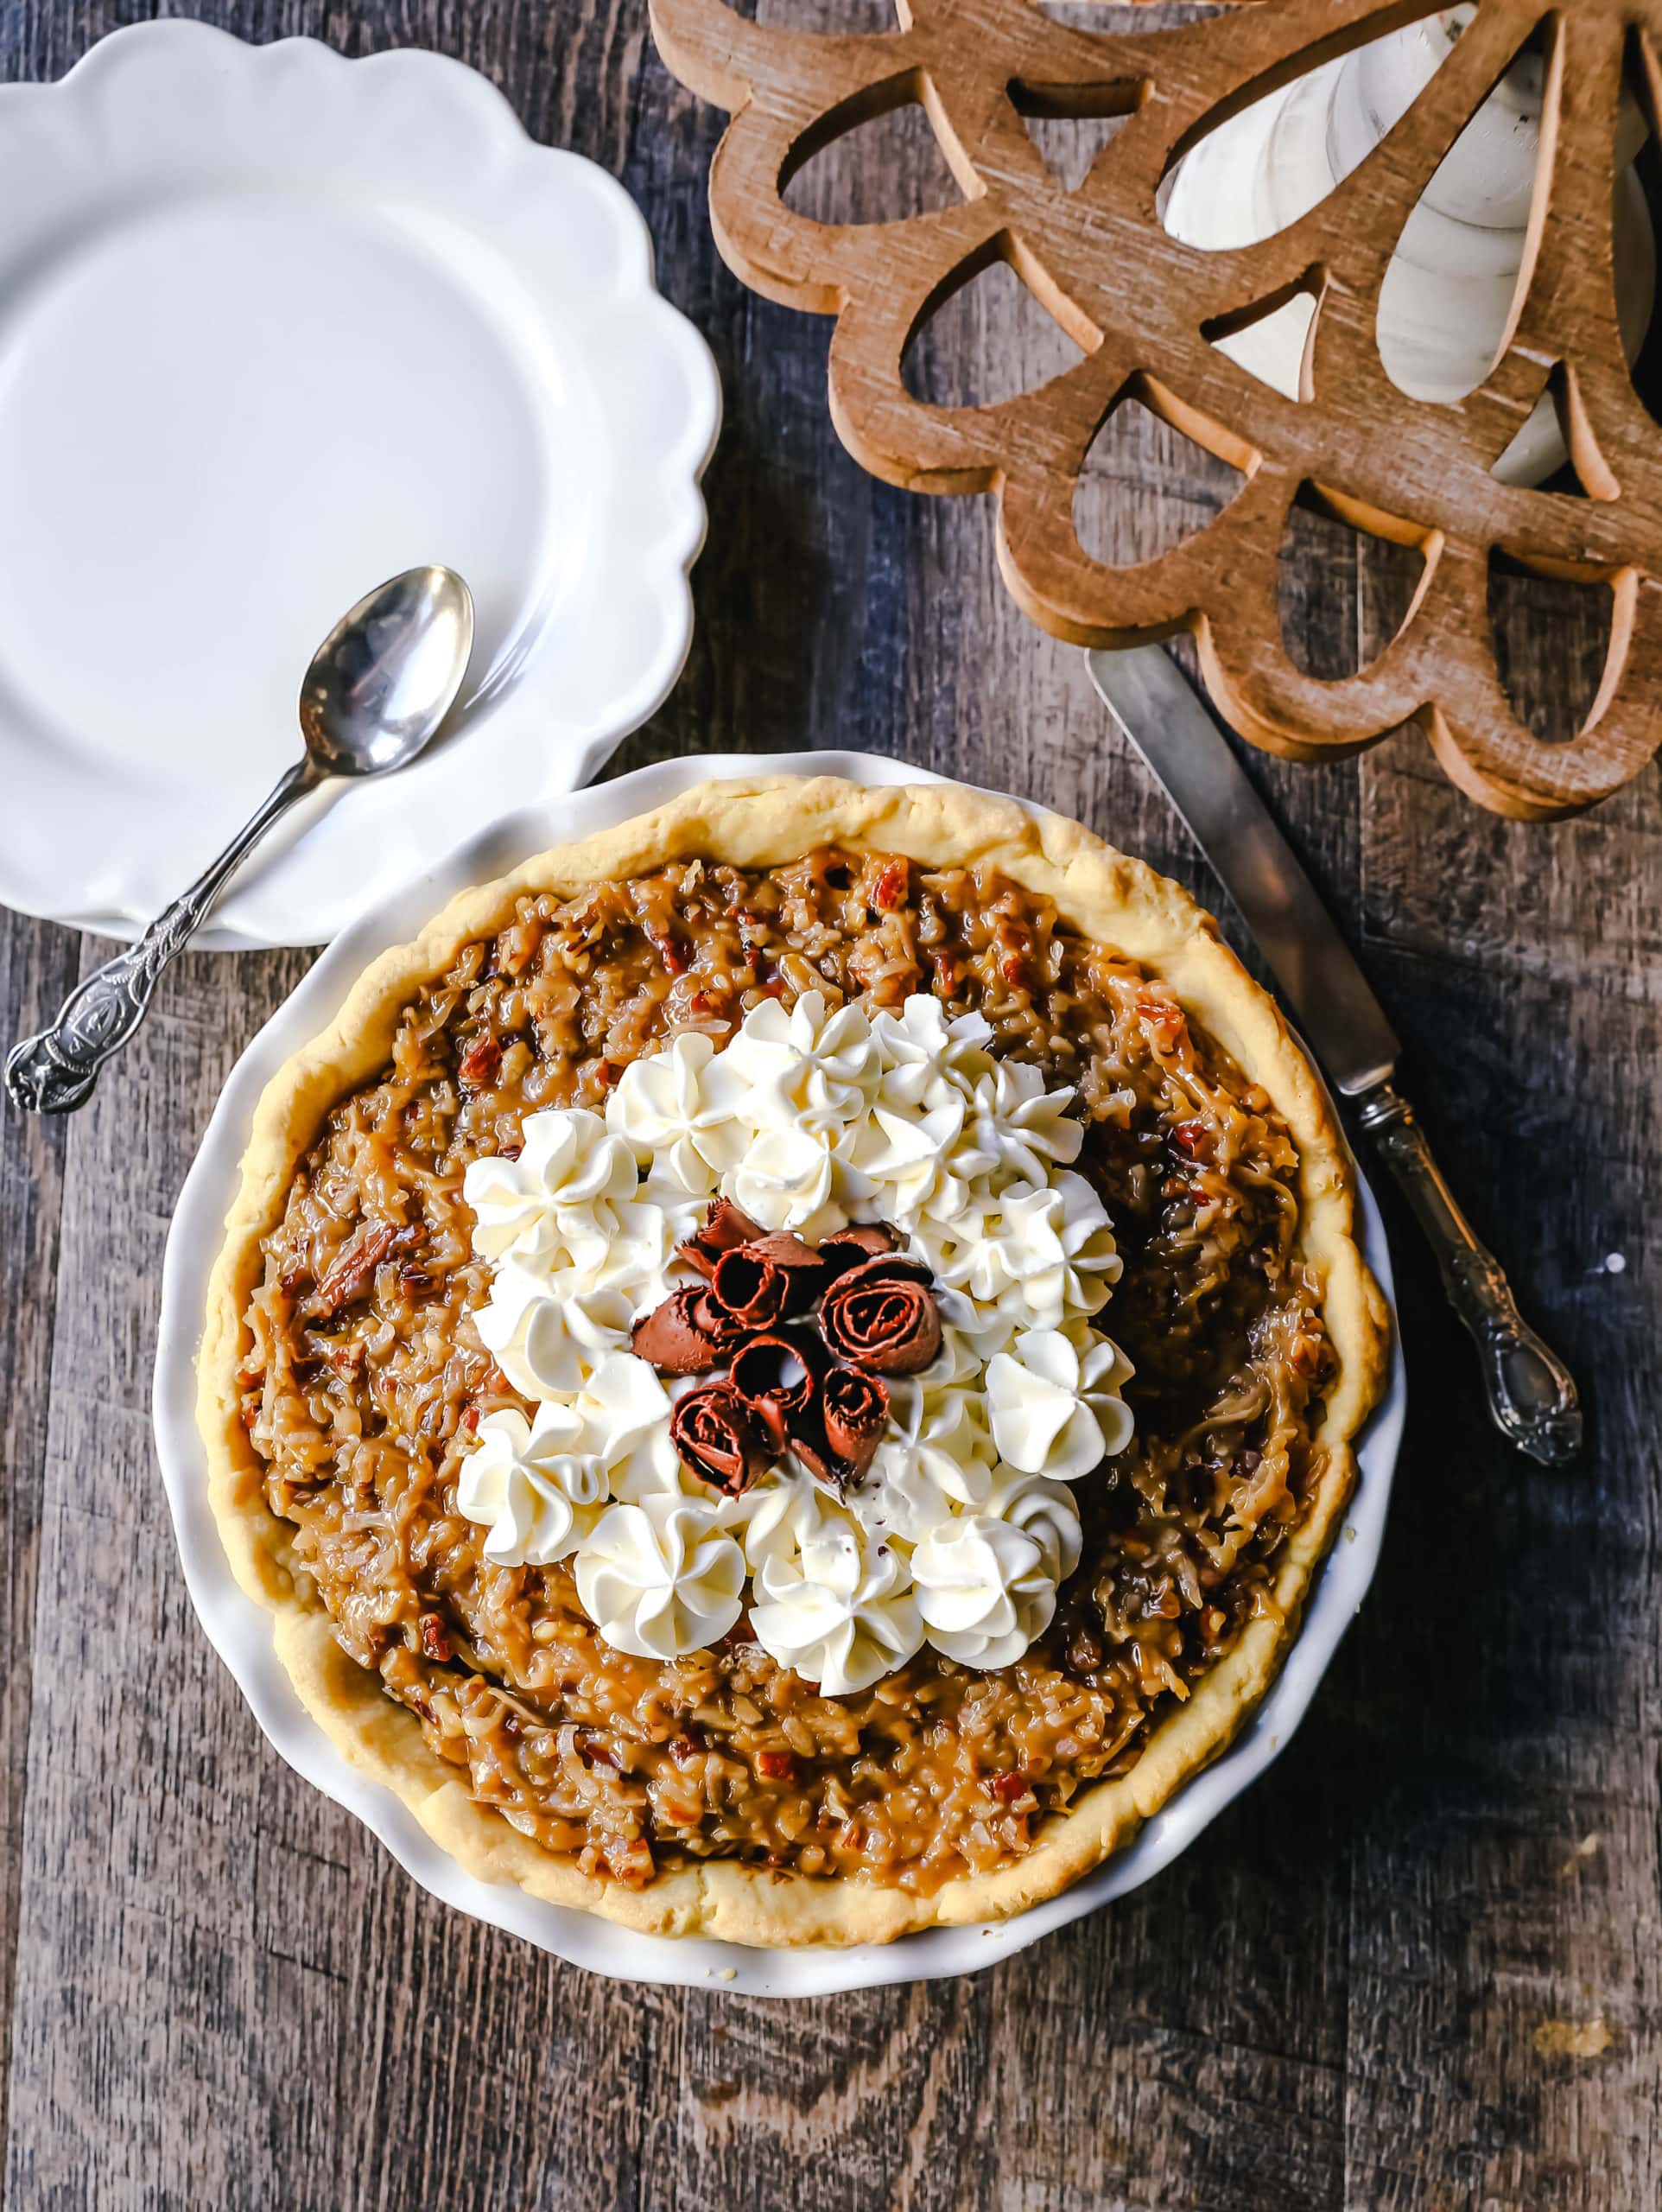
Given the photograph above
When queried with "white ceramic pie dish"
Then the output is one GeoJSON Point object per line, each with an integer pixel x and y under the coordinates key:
{"type": "Point", "coordinates": [241, 1629]}
{"type": "Point", "coordinates": [275, 326]}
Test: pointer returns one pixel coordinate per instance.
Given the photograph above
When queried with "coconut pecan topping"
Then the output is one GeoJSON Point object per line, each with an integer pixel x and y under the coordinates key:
{"type": "Point", "coordinates": [352, 1274]}
{"type": "Point", "coordinates": [365, 1393]}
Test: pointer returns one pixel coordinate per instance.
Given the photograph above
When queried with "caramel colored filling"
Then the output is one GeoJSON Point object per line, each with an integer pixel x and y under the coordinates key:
{"type": "Point", "coordinates": [365, 1380]}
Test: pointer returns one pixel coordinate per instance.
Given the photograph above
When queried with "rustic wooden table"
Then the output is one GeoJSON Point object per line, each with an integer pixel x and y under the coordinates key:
{"type": "Point", "coordinates": [1419, 1965]}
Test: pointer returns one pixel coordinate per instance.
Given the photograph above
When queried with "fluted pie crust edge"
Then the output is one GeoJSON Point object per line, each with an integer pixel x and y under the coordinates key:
{"type": "Point", "coordinates": [759, 823]}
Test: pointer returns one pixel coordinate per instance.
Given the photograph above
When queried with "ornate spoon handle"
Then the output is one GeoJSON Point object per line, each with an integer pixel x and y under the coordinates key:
{"type": "Point", "coordinates": [54, 1071]}
{"type": "Point", "coordinates": [1531, 1393]}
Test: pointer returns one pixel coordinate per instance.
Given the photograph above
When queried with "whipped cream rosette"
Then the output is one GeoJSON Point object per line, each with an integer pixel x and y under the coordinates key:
{"type": "Point", "coordinates": [540, 1484]}
{"type": "Point", "coordinates": [1053, 1402]}
{"type": "Point", "coordinates": [661, 1578]}
{"type": "Point", "coordinates": [832, 1602]}
{"type": "Point", "coordinates": [808, 1323]}
{"type": "Point", "coordinates": [987, 1580]}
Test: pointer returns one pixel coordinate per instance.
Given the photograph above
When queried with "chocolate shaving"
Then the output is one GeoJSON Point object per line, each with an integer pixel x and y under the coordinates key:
{"type": "Point", "coordinates": [853, 1246]}
{"type": "Point", "coordinates": [671, 1339]}
{"type": "Point", "coordinates": [723, 1328]}
{"type": "Point", "coordinates": [726, 1228]}
{"type": "Point", "coordinates": [747, 1284]}
{"type": "Point", "coordinates": [776, 1376]}
{"type": "Point", "coordinates": [821, 1462]}
{"type": "Point", "coordinates": [716, 1438]}
{"type": "Point", "coordinates": [853, 1408]}
{"type": "Point", "coordinates": [805, 1270]}
{"type": "Point", "coordinates": [876, 1315]}
{"type": "Point", "coordinates": [882, 1316]}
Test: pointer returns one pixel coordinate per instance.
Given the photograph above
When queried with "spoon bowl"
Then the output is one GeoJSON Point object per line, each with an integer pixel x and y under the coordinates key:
{"type": "Point", "coordinates": [388, 673]}
{"type": "Point", "coordinates": [378, 687]}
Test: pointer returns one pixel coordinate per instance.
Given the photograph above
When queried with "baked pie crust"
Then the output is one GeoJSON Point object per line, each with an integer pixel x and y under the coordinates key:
{"type": "Point", "coordinates": [768, 822]}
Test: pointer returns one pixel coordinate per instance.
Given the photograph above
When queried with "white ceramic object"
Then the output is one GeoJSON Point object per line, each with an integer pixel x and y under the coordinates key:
{"type": "Point", "coordinates": [1447, 294]}
{"type": "Point", "coordinates": [240, 1628]}
{"type": "Point", "coordinates": [275, 326]}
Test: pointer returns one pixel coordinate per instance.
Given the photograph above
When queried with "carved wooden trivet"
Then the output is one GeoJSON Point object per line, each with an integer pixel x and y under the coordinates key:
{"type": "Point", "coordinates": [1145, 308]}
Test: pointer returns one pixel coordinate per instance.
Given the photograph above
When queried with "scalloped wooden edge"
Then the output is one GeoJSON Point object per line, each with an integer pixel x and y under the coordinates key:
{"type": "Point", "coordinates": [1390, 465]}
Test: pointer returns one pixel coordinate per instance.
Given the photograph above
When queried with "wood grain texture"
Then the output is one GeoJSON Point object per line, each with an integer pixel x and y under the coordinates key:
{"type": "Point", "coordinates": [1133, 313]}
{"type": "Point", "coordinates": [1365, 1988]}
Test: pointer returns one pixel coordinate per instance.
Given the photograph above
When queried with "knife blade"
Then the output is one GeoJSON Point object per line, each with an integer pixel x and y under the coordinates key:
{"type": "Point", "coordinates": [1158, 711]}
{"type": "Point", "coordinates": [1531, 1394]}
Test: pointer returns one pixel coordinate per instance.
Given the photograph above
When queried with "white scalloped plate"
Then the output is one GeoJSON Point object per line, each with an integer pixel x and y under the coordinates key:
{"type": "Point", "coordinates": [240, 1628]}
{"type": "Point", "coordinates": [274, 326]}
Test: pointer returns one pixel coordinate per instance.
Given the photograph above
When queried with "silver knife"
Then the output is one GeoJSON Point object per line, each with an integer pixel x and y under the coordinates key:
{"type": "Point", "coordinates": [1531, 1393]}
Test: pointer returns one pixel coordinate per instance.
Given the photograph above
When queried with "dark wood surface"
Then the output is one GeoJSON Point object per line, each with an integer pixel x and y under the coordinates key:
{"type": "Point", "coordinates": [1419, 1965]}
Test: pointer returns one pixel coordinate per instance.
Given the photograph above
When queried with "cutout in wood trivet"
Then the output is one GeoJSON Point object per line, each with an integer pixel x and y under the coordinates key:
{"type": "Point", "coordinates": [1147, 309]}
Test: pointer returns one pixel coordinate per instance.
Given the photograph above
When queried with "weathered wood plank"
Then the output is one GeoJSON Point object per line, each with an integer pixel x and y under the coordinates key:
{"type": "Point", "coordinates": [1369, 1983]}
{"type": "Point", "coordinates": [37, 966]}
{"type": "Point", "coordinates": [1507, 1671]}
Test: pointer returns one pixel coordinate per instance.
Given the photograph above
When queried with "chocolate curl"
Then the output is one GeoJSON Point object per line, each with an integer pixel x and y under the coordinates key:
{"type": "Point", "coordinates": [816, 1456]}
{"type": "Point", "coordinates": [852, 1246]}
{"type": "Point", "coordinates": [747, 1285]}
{"type": "Point", "coordinates": [726, 1228]}
{"type": "Point", "coordinates": [716, 1438]}
{"type": "Point", "coordinates": [804, 1268]}
{"type": "Point", "coordinates": [671, 1339]}
{"type": "Point", "coordinates": [776, 1378]}
{"type": "Point", "coordinates": [723, 1328]}
{"type": "Point", "coordinates": [881, 1316]}
{"type": "Point", "coordinates": [854, 1409]}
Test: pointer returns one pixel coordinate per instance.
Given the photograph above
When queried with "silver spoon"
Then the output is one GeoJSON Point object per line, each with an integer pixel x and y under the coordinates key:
{"type": "Point", "coordinates": [378, 686]}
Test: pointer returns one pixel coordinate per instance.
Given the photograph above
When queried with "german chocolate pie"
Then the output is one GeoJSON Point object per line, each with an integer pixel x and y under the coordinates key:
{"type": "Point", "coordinates": [784, 1370]}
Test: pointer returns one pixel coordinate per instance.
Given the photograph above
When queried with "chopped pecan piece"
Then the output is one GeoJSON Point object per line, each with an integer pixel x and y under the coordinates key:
{"type": "Point", "coordinates": [675, 960]}
{"type": "Point", "coordinates": [889, 889]}
{"type": "Point", "coordinates": [352, 1270]}
{"type": "Point", "coordinates": [481, 1063]}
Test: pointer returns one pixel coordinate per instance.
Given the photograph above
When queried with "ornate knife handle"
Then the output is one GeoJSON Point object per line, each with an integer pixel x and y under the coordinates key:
{"type": "Point", "coordinates": [1532, 1395]}
{"type": "Point", "coordinates": [54, 1071]}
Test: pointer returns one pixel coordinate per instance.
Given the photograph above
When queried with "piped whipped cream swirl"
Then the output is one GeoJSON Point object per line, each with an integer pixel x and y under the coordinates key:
{"type": "Point", "coordinates": [811, 1117]}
